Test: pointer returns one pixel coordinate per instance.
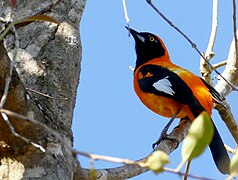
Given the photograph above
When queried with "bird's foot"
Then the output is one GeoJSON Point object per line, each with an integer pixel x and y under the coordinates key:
{"type": "Point", "coordinates": [165, 136]}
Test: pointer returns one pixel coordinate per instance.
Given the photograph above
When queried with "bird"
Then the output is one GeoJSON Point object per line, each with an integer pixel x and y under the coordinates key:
{"type": "Point", "coordinates": [172, 91]}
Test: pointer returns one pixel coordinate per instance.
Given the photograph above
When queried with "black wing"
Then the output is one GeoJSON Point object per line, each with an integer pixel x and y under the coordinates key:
{"type": "Point", "coordinates": [161, 81]}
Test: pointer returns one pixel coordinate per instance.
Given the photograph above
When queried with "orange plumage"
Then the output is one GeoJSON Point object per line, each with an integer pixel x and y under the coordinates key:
{"type": "Point", "coordinates": [170, 90]}
{"type": "Point", "coordinates": [157, 104]}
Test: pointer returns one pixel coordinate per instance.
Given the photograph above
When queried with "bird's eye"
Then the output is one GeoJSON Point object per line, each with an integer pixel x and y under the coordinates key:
{"type": "Point", "coordinates": [152, 39]}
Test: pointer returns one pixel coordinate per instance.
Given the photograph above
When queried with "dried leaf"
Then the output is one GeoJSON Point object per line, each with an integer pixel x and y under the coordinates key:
{"type": "Point", "coordinates": [38, 17]}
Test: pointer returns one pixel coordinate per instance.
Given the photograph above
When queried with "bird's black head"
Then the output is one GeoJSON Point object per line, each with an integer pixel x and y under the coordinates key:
{"type": "Point", "coordinates": [148, 46]}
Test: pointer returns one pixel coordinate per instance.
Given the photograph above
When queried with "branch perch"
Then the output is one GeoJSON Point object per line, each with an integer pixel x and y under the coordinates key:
{"type": "Point", "coordinates": [132, 170]}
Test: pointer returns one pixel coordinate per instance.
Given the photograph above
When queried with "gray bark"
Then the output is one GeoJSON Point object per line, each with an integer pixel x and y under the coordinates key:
{"type": "Point", "coordinates": [48, 61]}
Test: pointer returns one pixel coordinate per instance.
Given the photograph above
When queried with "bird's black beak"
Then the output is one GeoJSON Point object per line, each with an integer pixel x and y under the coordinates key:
{"type": "Point", "coordinates": [136, 35]}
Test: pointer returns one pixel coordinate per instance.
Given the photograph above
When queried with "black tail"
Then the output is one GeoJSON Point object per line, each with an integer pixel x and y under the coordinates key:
{"type": "Point", "coordinates": [219, 153]}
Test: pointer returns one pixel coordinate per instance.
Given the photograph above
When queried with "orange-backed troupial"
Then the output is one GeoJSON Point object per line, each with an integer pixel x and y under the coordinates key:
{"type": "Point", "coordinates": [172, 91]}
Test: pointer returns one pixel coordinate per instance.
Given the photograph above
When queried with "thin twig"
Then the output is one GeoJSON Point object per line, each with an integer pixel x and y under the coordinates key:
{"type": "Point", "coordinates": [204, 69]}
{"type": "Point", "coordinates": [8, 79]}
{"type": "Point", "coordinates": [188, 175]}
{"type": "Point", "coordinates": [220, 64]}
{"type": "Point", "coordinates": [209, 52]}
{"type": "Point", "coordinates": [191, 42]}
{"type": "Point", "coordinates": [106, 158]}
{"type": "Point", "coordinates": [234, 29]}
{"type": "Point", "coordinates": [187, 169]}
{"type": "Point", "coordinates": [51, 131]}
{"type": "Point", "coordinates": [14, 133]}
{"type": "Point", "coordinates": [46, 95]}
{"type": "Point", "coordinates": [125, 13]}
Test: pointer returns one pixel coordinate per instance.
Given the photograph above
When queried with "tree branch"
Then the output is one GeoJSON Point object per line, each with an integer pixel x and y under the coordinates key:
{"type": "Point", "coordinates": [132, 170]}
{"type": "Point", "coordinates": [231, 74]}
{"type": "Point", "coordinates": [229, 119]}
{"type": "Point", "coordinates": [42, 66]}
{"type": "Point", "coordinates": [205, 69]}
{"type": "Point", "coordinates": [220, 64]}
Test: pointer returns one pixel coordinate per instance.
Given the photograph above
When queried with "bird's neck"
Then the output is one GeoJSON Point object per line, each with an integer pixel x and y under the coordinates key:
{"type": "Point", "coordinates": [163, 60]}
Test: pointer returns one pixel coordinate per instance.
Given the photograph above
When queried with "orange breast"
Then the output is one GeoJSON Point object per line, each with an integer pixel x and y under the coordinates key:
{"type": "Point", "coordinates": [168, 107]}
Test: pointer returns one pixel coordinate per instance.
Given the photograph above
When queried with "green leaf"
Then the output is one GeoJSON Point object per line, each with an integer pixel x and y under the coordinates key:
{"type": "Point", "coordinates": [199, 136]}
{"type": "Point", "coordinates": [234, 165]}
{"type": "Point", "coordinates": [156, 161]}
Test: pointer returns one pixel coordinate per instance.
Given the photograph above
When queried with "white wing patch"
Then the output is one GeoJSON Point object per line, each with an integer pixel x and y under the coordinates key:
{"type": "Point", "coordinates": [164, 85]}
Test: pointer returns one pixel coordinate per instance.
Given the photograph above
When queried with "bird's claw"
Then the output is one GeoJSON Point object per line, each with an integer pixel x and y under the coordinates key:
{"type": "Point", "coordinates": [165, 136]}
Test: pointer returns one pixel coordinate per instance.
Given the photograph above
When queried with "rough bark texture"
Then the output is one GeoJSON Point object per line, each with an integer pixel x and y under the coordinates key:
{"type": "Point", "coordinates": [48, 61]}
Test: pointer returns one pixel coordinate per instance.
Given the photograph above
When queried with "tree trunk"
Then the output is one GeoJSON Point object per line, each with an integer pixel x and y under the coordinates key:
{"type": "Point", "coordinates": [48, 61]}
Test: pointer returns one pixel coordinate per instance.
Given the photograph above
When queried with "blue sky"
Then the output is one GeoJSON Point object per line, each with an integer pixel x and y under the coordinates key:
{"type": "Point", "coordinates": [109, 119]}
